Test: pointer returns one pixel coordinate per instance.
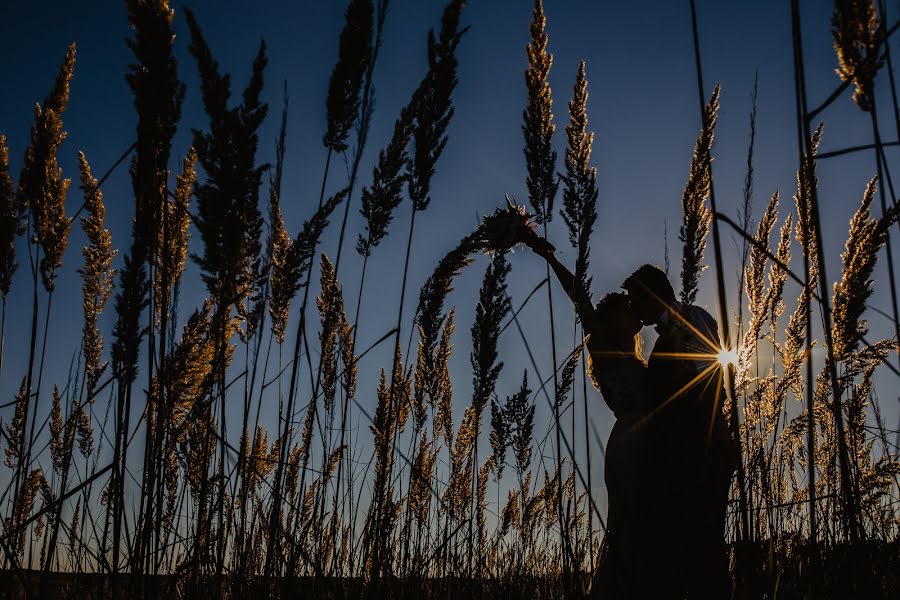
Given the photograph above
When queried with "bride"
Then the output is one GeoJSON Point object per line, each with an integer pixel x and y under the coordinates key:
{"type": "Point", "coordinates": [618, 370]}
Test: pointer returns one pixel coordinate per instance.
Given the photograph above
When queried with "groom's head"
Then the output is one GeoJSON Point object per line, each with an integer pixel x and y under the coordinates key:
{"type": "Point", "coordinates": [650, 293]}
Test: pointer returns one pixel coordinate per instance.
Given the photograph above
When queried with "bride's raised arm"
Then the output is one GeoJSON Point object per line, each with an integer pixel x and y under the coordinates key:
{"type": "Point", "coordinates": [579, 297]}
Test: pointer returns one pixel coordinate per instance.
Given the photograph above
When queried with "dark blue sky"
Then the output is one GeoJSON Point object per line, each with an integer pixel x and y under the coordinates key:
{"type": "Point", "coordinates": [643, 110]}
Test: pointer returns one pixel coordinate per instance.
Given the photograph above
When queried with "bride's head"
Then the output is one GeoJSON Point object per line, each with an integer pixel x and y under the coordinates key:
{"type": "Point", "coordinates": [617, 326]}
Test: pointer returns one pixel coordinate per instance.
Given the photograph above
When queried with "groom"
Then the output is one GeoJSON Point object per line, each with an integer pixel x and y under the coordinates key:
{"type": "Point", "coordinates": [692, 454]}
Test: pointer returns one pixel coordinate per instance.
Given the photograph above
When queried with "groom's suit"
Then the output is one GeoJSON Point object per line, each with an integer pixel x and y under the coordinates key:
{"type": "Point", "coordinates": [693, 449]}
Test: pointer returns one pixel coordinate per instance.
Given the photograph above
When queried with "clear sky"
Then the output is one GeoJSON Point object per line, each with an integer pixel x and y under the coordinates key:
{"type": "Point", "coordinates": [643, 109]}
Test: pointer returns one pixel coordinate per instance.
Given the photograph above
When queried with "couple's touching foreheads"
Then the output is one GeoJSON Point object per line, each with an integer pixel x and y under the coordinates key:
{"type": "Point", "coordinates": [670, 456]}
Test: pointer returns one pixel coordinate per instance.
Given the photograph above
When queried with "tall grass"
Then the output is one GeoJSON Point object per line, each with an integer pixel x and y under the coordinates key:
{"type": "Point", "coordinates": [459, 494]}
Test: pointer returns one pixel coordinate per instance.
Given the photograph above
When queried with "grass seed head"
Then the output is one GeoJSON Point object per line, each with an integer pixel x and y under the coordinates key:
{"type": "Point", "coordinates": [11, 218]}
{"type": "Point", "coordinates": [697, 216]}
{"type": "Point", "coordinates": [857, 41]}
{"type": "Point", "coordinates": [538, 127]}
{"type": "Point", "coordinates": [354, 55]}
{"type": "Point", "coordinates": [97, 273]}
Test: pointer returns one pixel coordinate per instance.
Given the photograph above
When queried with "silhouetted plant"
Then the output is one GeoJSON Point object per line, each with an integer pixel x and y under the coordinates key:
{"type": "Point", "coordinates": [857, 42]}
{"type": "Point", "coordinates": [97, 274]}
{"type": "Point", "coordinates": [354, 54]}
{"type": "Point", "coordinates": [697, 216]}
{"type": "Point", "coordinates": [11, 220]}
{"type": "Point", "coordinates": [580, 192]}
{"type": "Point", "coordinates": [538, 127]}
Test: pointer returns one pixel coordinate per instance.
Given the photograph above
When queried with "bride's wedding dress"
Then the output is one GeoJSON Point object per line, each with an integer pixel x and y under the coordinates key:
{"type": "Point", "coordinates": [628, 472]}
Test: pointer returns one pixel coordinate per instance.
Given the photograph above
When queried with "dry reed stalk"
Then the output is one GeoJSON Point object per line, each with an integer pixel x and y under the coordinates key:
{"type": "Point", "coordinates": [354, 52]}
{"type": "Point", "coordinates": [867, 236]}
{"type": "Point", "coordinates": [777, 275]}
{"type": "Point", "coordinates": [697, 217]}
{"type": "Point", "coordinates": [349, 103]}
{"type": "Point", "coordinates": [21, 510]}
{"type": "Point", "coordinates": [41, 185]}
{"type": "Point", "coordinates": [344, 103]}
{"type": "Point", "coordinates": [519, 414]}
{"type": "Point", "coordinates": [97, 275]}
{"type": "Point", "coordinates": [431, 109]}
{"type": "Point", "coordinates": [857, 42]}
{"type": "Point", "coordinates": [386, 191]}
{"type": "Point", "coordinates": [441, 393]}
{"type": "Point", "coordinates": [882, 165]}
{"type": "Point", "coordinates": [745, 213]}
{"type": "Point", "coordinates": [42, 190]}
{"type": "Point", "coordinates": [11, 224]}
{"type": "Point", "coordinates": [731, 411]}
{"type": "Point", "coordinates": [458, 495]}
{"type": "Point", "coordinates": [493, 308]}
{"type": "Point", "coordinates": [284, 274]}
{"type": "Point", "coordinates": [379, 521]}
{"type": "Point", "coordinates": [228, 215]}
{"type": "Point", "coordinates": [335, 339]}
{"type": "Point", "coordinates": [264, 299]}
{"type": "Point", "coordinates": [420, 478]}
{"type": "Point", "coordinates": [299, 262]}
{"type": "Point", "coordinates": [540, 162]}
{"type": "Point", "coordinates": [330, 305]}
{"type": "Point", "coordinates": [58, 437]}
{"type": "Point", "coordinates": [15, 431]}
{"type": "Point", "coordinates": [158, 96]}
{"type": "Point", "coordinates": [566, 380]}
{"type": "Point", "coordinates": [499, 438]}
{"type": "Point", "coordinates": [62, 439]}
{"type": "Point", "coordinates": [291, 259]}
{"type": "Point", "coordinates": [758, 296]}
{"type": "Point", "coordinates": [580, 181]}
{"type": "Point", "coordinates": [848, 489]}
{"type": "Point", "coordinates": [802, 317]}
{"type": "Point", "coordinates": [579, 213]}
{"type": "Point", "coordinates": [433, 104]}
{"type": "Point", "coordinates": [190, 368]}
{"type": "Point", "coordinates": [538, 127]}
{"type": "Point", "coordinates": [173, 236]}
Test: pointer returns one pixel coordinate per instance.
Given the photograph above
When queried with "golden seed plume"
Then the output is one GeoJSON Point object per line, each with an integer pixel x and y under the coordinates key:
{"type": "Point", "coordinates": [172, 237]}
{"type": "Point", "coordinates": [96, 274]}
{"type": "Point", "coordinates": [538, 127]}
{"type": "Point", "coordinates": [57, 443]}
{"type": "Point", "coordinates": [580, 183]}
{"type": "Point", "coordinates": [354, 53]}
{"type": "Point", "coordinates": [85, 432]}
{"type": "Point", "coordinates": [867, 236]}
{"type": "Point", "coordinates": [284, 274]}
{"type": "Point", "coordinates": [857, 41]}
{"type": "Point", "coordinates": [777, 275]}
{"type": "Point", "coordinates": [697, 216]}
{"type": "Point", "coordinates": [15, 431]}
{"type": "Point", "coordinates": [754, 286]}
{"type": "Point", "coordinates": [443, 401]}
{"type": "Point", "coordinates": [11, 217]}
{"type": "Point", "coordinates": [41, 184]}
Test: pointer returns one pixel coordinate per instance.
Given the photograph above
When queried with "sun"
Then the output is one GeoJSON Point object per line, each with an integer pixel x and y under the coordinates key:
{"type": "Point", "coordinates": [727, 358]}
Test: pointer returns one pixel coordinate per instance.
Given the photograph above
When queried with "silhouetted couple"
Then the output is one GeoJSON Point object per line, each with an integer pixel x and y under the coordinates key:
{"type": "Point", "coordinates": [670, 458]}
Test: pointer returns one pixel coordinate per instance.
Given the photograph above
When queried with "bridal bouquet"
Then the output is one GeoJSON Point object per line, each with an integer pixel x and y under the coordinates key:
{"type": "Point", "coordinates": [506, 227]}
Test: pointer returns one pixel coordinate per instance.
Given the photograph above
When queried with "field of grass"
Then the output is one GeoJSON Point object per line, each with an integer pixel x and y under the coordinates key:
{"type": "Point", "coordinates": [142, 484]}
